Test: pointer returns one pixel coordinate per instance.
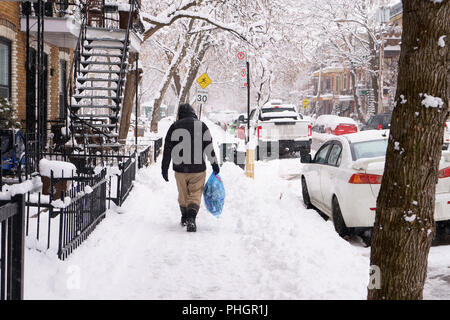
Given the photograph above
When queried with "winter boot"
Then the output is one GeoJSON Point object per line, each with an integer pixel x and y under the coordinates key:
{"type": "Point", "coordinates": [192, 210]}
{"type": "Point", "coordinates": [183, 216]}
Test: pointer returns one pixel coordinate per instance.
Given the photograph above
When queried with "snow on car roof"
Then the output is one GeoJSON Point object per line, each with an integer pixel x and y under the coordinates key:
{"type": "Point", "coordinates": [367, 135]}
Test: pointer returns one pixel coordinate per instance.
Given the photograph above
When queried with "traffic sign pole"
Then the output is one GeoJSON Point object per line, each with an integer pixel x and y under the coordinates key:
{"type": "Point", "coordinates": [248, 102]}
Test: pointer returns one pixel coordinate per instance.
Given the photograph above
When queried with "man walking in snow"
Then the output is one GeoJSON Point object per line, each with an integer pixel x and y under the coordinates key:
{"type": "Point", "coordinates": [187, 142]}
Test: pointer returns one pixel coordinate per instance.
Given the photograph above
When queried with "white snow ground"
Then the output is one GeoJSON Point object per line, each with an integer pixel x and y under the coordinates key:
{"type": "Point", "coordinates": [265, 245]}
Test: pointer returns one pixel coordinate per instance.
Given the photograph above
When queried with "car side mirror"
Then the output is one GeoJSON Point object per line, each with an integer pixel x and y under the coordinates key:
{"type": "Point", "coordinates": [306, 158]}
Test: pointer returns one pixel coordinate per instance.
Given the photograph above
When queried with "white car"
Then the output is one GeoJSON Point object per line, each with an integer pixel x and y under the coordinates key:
{"type": "Point", "coordinates": [446, 136]}
{"type": "Point", "coordinates": [344, 178]}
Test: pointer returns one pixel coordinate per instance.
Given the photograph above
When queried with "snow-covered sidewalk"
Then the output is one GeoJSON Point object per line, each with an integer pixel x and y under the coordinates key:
{"type": "Point", "coordinates": [265, 245]}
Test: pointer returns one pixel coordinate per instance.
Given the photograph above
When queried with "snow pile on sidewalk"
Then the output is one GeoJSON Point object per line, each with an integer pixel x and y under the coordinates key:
{"type": "Point", "coordinates": [265, 245]}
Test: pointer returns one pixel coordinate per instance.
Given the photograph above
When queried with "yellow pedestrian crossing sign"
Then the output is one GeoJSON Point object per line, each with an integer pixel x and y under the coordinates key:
{"type": "Point", "coordinates": [204, 81]}
{"type": "Point", "coordinates": [305, 103]}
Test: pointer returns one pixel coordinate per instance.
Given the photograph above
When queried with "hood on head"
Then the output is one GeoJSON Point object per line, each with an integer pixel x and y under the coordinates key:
{"type": "Point", "coordinates": [186, 111]}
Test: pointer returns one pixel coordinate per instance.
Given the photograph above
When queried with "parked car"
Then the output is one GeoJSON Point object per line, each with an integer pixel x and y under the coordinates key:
{"type": "Point", "coordinates": [446, 136]}
{"type": "Point", "coordinates": [241, 124]}
{"type": "Point", "coordinates": [378, 122]}
{"type": "Point", "coordinates": [280, 124]}
{"type": "Point", "coordinates": [332, 124]}
{"type": "Point", "coordinates": [343, 181]}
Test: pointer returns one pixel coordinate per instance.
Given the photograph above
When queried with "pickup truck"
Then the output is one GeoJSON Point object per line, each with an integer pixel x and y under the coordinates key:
{"type": "Point", "coordinates": [281, 126]}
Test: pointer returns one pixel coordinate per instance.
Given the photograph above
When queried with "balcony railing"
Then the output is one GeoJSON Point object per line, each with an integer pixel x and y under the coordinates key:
{"type": "Point", "coordinates": [56, 9]}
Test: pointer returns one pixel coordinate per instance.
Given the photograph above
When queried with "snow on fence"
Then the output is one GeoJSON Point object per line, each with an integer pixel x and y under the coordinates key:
{"type": "Point", "coordinates": [46, 204]}
{"type": "Point", "coordinates": [12, 239]}
{"type": "Point", "coordinates": [72, 202]}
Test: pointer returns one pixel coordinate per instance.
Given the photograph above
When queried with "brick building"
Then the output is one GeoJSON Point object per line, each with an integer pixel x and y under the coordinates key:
{"type": "Point", "coordinates": [336, 90]}
{"type": "Point", "coordinates": [57, 57]}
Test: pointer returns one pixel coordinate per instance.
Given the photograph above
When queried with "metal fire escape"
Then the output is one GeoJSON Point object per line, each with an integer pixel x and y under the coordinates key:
{"type": "Point", "coordinates": [99, 73]}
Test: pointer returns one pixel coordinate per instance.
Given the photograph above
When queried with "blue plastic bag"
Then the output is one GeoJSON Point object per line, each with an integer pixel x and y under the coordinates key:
{"type": "Point", "coordinates": [214, 195]}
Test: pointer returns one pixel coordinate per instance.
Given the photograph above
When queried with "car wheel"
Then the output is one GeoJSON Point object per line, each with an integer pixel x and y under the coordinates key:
{"type": "Point", "coordinates": [338, 220]}
{"type": "Point", "coordinates": [306, 199]}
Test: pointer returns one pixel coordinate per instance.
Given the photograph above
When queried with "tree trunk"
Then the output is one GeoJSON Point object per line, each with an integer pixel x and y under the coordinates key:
{"type": "Point", "coordinates": [128, 101]}
{"type": "Point", "coordinates": [168, 77]}
{"type": "Point", "coordinates": [404, 224]}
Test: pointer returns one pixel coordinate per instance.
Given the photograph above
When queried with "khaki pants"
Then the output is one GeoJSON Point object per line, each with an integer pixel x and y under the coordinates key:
{"type": "Point", "coordinates": [190, 188]}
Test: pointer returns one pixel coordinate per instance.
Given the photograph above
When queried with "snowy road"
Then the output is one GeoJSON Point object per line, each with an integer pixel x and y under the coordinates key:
{"type": "Point", "coordinates": [265, 245]}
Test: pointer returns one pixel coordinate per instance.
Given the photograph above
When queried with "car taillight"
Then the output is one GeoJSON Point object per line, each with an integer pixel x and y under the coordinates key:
{"type": "Point", "coordinates": [309, 130]}
{"type": "Point", "coordinates": [364, 178]}
{"type": "Point", "coordinates": [259, 131]}
{"type": "Point", "coordinates": [444, 173]}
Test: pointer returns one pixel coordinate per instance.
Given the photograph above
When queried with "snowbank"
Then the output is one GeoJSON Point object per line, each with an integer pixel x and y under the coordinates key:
{"type": "Point", "coordinates": [59, 168]}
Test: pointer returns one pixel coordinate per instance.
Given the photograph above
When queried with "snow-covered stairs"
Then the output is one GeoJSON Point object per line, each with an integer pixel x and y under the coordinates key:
{"type": "Point", "coordinates": [98, 96]}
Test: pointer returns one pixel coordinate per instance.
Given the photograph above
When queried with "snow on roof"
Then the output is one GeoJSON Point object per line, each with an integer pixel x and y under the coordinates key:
{"type": "Point", "coordinates": [330, 119]}
{"type": "Point", "coordinates": [281, 114]}
{"type": "Point", "coordinates": [392, 48]}
{"type": "Point", "coordinates": [367, 135]}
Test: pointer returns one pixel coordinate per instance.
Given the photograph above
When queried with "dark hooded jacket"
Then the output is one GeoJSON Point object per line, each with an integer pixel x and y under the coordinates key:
{"type": "Point", "coordinates": [187, 142]}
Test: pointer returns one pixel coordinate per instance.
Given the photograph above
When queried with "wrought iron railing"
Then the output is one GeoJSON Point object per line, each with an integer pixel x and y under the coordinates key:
{"type": "Point", "coordinates": [144, 157]}
{"type": "Point", "coordinates": [157, 148]}
{"type": "Point", "coordinates": [87, 208]}
{"type": "Point", "coordinates": [123, 181]}
{"type": "Point", "coordinates": [12, 243]}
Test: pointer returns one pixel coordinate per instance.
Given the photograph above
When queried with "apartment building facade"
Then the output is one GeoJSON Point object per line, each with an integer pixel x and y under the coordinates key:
{"type": "Point", "coordinates": [13, 58]}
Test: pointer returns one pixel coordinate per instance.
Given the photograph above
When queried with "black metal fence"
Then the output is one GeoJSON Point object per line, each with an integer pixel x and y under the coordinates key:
{"type": "Point", "coordinates": [157, 147]}
{"type": "Point", "coordinates": [124, 180]}
{"type": "Point", "coordinates": [83, 210]}
{"type": "Point", "coordinates": [144, 157]}
{"type": "Point", "coordinates": [12, 243]}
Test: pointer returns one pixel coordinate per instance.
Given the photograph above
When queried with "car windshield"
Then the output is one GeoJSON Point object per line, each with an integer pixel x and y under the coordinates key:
{"type": "Point", "coordinates": [369, 149]}
{"type": "Point", "coordinates": [278, 112]}
{"type": "Point", "coordinates": [280, 109]}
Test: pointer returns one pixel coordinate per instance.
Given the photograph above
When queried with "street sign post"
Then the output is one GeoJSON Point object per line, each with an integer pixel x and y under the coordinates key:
{"type": "Point", "coordinates": [243, 76]}
{"type": "Point", "coordinates": [242, 57]}
{"type": "Point", "coordinates": [202, 99]}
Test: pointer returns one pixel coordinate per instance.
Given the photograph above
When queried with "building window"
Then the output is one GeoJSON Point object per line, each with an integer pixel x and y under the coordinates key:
{"type": "Point", "coordinates": [62, 88]}
{"type": "Point", "coordinates": [345, 81]}
{"type": "Point", "coordinates": [5, 68]}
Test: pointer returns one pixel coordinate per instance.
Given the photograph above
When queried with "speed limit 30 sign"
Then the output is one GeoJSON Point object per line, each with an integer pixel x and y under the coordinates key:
{"type": "Point", "coordinates": [202, 96]}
